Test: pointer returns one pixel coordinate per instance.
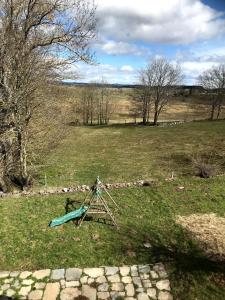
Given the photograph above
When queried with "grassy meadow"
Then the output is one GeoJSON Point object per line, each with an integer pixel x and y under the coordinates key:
{"type": "Point", "coordinates": [123, 153]}
{"type": "Point", "coordinates": [120, 153]}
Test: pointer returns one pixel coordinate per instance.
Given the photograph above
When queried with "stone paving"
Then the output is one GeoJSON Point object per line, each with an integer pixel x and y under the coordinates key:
{"type": "Point", "coordinates": [141, 282]}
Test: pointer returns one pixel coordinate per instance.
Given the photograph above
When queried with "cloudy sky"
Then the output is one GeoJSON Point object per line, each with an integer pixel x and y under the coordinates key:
{"type": "Point", "coordinates": [133, 32]}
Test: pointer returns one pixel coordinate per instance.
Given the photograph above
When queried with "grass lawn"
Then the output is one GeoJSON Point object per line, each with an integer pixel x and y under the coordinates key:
{"type": "Point", "coordinates": [117, 154]}
{"type": "Point", "coordinates": [145, 214]}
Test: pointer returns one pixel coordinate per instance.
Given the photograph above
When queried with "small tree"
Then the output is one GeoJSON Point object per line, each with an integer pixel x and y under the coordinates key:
{"type": "Point", "coordinates": [160, 79]}
{"type": "Point", "coordinates": [213, 80]}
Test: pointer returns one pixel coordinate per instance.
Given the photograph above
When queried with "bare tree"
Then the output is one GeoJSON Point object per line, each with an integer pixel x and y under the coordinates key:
{"type": "Point", "coordinates": [159, 79]}
{"type": "Point", "coordinates": [213, 80]}
{"type": "Point", "coordinates": [38, 38]}
{"type": "Point", "coordinates": [95, 104]}
{"type": "Point", "coordinates": [141, 102]}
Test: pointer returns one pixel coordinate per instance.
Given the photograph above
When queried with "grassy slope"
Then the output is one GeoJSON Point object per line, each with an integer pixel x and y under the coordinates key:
{"type": "Point", "coordinates": [123, 153]}
{"type": "Point", "coordinates": [116, 154]}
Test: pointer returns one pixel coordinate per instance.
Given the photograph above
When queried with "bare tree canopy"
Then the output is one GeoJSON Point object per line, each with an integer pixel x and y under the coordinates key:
{"type": "Point", "coordinates": [38, 38]}
{"type": "Point", "coordinates": [213, 80]}
{"type": "Point", "coordinates": [160, 78]}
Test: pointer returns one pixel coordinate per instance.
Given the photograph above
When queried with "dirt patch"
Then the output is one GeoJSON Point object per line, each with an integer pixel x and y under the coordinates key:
{"type": "Point", "coordinates": [209, 231]}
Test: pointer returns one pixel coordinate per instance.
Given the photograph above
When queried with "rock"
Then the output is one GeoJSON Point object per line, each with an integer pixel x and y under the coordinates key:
{"type": "Point", "coordinates": [127, 279]}
{"type": "Point", "coordinates": [51, 291]}
{"type": "Point", "coordinates": [144, 276]}
{"type": "Point", "coordinates": [58, 274]}
{"type": "Point", "coordinates": [40, 285]}
{"type": "Point", "coordinates": [84, 279]}
{"type": "Point", "coordinates": [137, 281]}
{"type": "Point", "coordinates": [103, 295]}
{"type": "Point", "coordinates": [154, 275]}
{"type": "Point", "coordinates": [70, 294]}
{"type": "Point", "coordinates": [114, 278]}
{"type": "Point", "coordinates": [118, 287]}
{"type": "Point", "coordinates": [5, 286]}
{"type": "Point", "coordinates": [16, 284]}
{"type": "Point", "coordinates": [73, 274]}
{"type": "Point", "coordinates": [160, 269]}
{"type": "Point", "coordinates": [90, 280]}
{"type": "Point", "coordinates": [147, 245]}
{"type": "Point", "coordinates": [65, 190]}
{"type": "Point", "coordinates": [104, 287]}
{"type": "Point", "coordinates": [130, 298]}
{"type": "Point", "coordinates": [165, 296]}
{"type": "Point", "coordinates": [35, 295]}
{"type": "Point", "coordinates": [8, 280]}
{"type": "Point", "coordinates": [163, 285]}
{"type": "Point", "coordinates": [94, 272]}
{"type": "Point", "coordinates": [147, 283]}
{"type": "Point", "coordinates": [95, 237]}
{"type": "Point", "coordinates": [72, 284]}
{"type": "Point", "coordinates": [144, 269]}
{"type": "Point", "coordinates": [63, 283]}
{"type": "Point", "coordinates": [140, 290]}
{"type": "Point", "coordinates": [24, 275]}
{"type": "Point", "coordinates": [142, 296]}
{"type": "Point", "coordinates": [89, 292]}
{"type": "Point", "coordinates": [24, 291]}
{"type": "Point", "coordinates": [151, 293]}
{"type": "Point", "coordinates": [124, 271]}
{"type": "Point", "coordinates": [101, 279]}
{"type": "Point", "coordinates": [134, 271]}
{"type": "Point", "coordinates": [115, 295]}
{"type": "Point", "coordinates": [27, 282]}
{"type": "Point", "coordinates": [10, 293]}
{"type": "Point", "coordinates": [130, 290]}
{"type": "Point", "coordinates": [111, 270]}
{"type": "Point", "coordinates": [14, 274]}
{"type": "Point", "coordinates": [41, 274]}
{"type": "Point", "coordinates": [4, 274]}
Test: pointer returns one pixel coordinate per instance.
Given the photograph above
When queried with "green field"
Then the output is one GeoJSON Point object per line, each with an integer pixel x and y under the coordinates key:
{"type": "Point", "coordinates": [122, 153]}
{"type": "Point", "coordinates": [117, 154]}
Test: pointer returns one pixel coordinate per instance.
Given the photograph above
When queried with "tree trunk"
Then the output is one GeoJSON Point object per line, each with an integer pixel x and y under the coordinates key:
{"type": "Point", "coordinates": [212, 111]}
{"type": "Point", "coordinates": [156, 116]}
{"type": "Point", "coordinates": [22, 141]}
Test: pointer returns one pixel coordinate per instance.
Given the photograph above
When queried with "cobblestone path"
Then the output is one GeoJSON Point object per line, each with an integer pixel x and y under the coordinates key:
{"type": "Point", "coordinates": [141, 282]}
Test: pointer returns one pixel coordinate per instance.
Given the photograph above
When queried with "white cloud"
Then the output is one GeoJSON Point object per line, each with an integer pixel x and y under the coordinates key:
{"type": "Point", "coordinates": [173, 21]}
{"type": "Point", "coordinates": [122, 48]}
{"type": "Point", "coordinates": [127, 69]}
{"type": "Point", "coordinates": [124, 74]}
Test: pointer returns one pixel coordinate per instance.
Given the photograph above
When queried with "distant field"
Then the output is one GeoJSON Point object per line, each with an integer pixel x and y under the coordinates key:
{"type": "Point", "coordinates": [179, 108]}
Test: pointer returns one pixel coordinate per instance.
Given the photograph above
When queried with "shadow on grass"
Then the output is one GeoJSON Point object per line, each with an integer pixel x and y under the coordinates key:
{"type": "Point", "coordinates": [192, 274]}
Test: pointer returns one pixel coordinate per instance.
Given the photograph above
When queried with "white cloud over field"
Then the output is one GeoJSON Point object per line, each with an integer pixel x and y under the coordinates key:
{"type": "Point", "coordinates": [160, 21]}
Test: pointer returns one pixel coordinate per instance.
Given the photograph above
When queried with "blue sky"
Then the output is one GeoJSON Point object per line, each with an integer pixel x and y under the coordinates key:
{"type": "Point", "coordinates": [132, 33]}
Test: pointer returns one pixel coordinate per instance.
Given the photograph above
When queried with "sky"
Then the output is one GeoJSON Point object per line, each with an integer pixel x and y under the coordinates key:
{"type": "Point", "coordinates": [132, 33]}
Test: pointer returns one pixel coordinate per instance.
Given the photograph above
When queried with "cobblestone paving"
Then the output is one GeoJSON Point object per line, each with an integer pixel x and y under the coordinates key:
{"type": "Point", "coordinates": [141, 282]}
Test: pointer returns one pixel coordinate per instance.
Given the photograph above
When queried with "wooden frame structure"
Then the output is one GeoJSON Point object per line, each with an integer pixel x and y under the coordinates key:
{"type": "Point", "coordinates": [97, 204]}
